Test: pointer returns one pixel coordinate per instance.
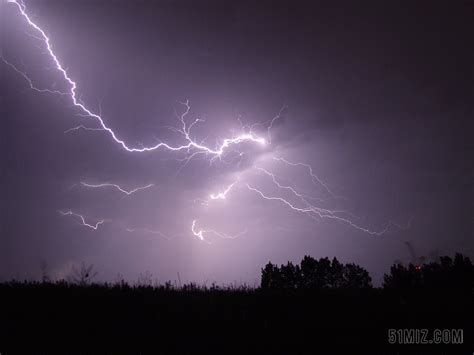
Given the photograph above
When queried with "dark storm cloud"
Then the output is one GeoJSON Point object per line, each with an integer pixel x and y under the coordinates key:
{"type": "Point", "coordinates": [379, 102]}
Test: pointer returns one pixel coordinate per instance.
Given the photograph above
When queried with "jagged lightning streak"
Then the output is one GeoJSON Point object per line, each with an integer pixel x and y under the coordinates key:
{"type": "Point", "coordinates": [117, 187]}
{"type": "Point", "coordinates": [30, 82]}
{"type": "Point", "coordinates": [272, 121]}
{"type": "Point", "coordinates": [200, 233]}
{"type": "Point", "coordinates": [83, 220]}
{"type": "Point", "coordinates": [191, 146]}
{"type": "Point", "coordinates": [301, 196]}
{"type": "Point", "coordinates": [222, 195]}
{"type": "Point", "coordinates": [309, 209]}
{"type": "Point", "coordinates": [217, 196]}
{"type": "Point", "coordinates": [309, 168]}
{"type": "Point", "coordinates": [216, 152]}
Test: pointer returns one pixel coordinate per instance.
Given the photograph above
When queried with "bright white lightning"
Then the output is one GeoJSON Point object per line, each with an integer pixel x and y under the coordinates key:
{"type": "Point", "coordinates": [82, 219]}
{"type": "Point", "coordinates": [222, 195]}
{"type": "Point", "coordinates": [115, 186]}
{"type": "Point", "coordinates": [216, 196]}
{"type": "Point", "coordinates": [272, 121]}
{"type": "Point", "coordinates": [191, 146]}
{"type": "Point", "coordinates": [200, 233]}
{"type": "Point", "coordinates": [216, 152]}
{"type": "Point", "coordinates": [309, 209]}
{"type": "Point", "coordinates": [30, 82]}
{"type": "Point", "coordinates": [316, 180]}
{"type": "Point", "coordinates": [304, 198]}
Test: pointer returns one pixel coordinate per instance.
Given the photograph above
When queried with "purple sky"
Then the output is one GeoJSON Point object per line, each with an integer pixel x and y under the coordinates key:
{"type": "Point", "coordinates": [379, 102]}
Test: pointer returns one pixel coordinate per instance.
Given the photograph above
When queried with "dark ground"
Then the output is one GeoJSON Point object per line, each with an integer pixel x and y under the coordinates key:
{"type": "Point", "coordinates": [47, 318]}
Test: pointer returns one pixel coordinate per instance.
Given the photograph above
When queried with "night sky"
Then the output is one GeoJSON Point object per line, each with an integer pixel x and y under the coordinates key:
{"type": "Point", "coordinates": [378, 97]}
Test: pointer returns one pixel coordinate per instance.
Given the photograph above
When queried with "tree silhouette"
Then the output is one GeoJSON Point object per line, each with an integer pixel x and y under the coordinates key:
{"type": "Point", "coordinates": [309, 274]}
{"type": "Point", "coordinates": [82, 276]}
{"type": "Point", "coordinates": [315, 274]}
{"type": "Point", "coordinates": [356, 277]}
{"type": "Point", "coordinates": [448, 273]}
{"type": "Point", "coordinates": [290, 276]}
{"type": "Point", "coordinates": [270, 276]}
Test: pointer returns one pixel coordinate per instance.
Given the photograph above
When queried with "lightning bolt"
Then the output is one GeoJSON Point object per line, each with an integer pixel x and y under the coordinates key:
{"type": "Point", "coordinates": [197, 233]}
{"type": "Point", "coordinates": [216, 196]}
{"type": "Point", "coordinates": [272, 121]}
{"type": "Point", "coordinates": [309, 168]}
{"type": "Point", "coordinates": [222, 195]}
{"type": "Point", "coordinates": [201, 232]}
{"type": "Point", "coordinates": [216, 152]}
{"type": "Point", "coordinates": [308, 208]}
{"type": "Point", "coordinates": [82, 219]}
{"type": "Point", "coordinates": [30, 82]}
{"type": "Point", "coordinates": [115, 186]}
{"type": "Point", "coordinates": [190, 146]}
{"type": "Point", "coordinates": [292, 189]}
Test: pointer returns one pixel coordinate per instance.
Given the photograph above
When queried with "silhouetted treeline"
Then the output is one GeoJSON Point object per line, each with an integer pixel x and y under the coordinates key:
{"type": "Point", "coordinates": [456, 274]}
{"type": "Point", "coordinates": [317, 306]}
{"type": "Point", "coordinates": [315, 274]}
